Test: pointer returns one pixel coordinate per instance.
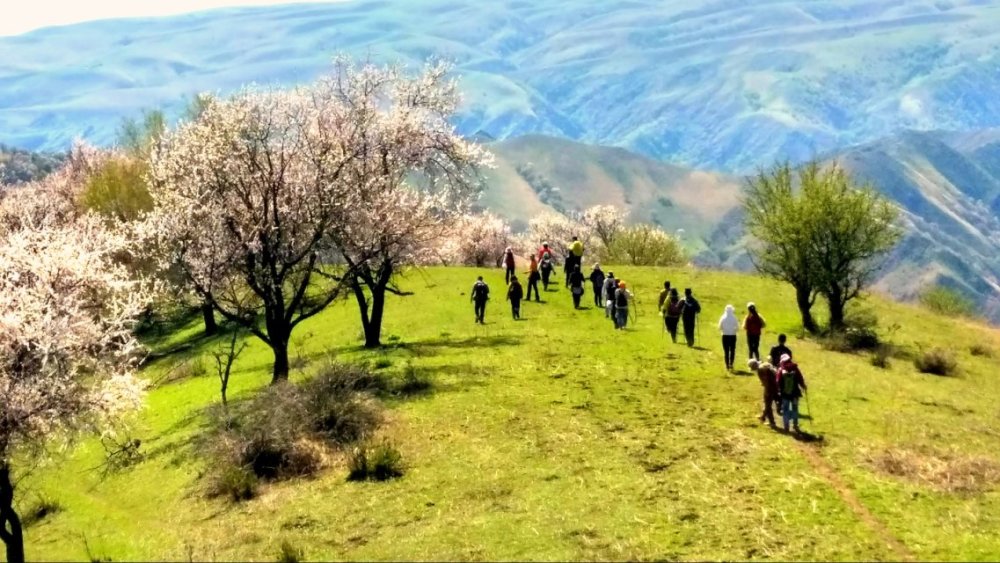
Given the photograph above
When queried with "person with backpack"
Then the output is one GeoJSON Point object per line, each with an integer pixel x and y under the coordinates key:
{"type": "Point", "coordinates": [729, 325]}
{"type": "Point", "coordinates": [597, 282]}
{"type": "Point", "coordinates": [533, 277]}
{"type": "Point", "coordinates": [768, 377]}
{"type": "Point", "coordinates": [689, 316]}
{"type": "Point", "coordinates": [664, 295]}
{"type": "Point", "coordinates": [576, 283]}
{"type": "Point", "coordinates": [779, 350]}
{"type": "Point", "coordinates": [574, 257]}
{"type": "Point", "coordinates": [754, 325]}
{"type": "Point", "coordinates": [672, 311]}
{"type": "Point", "coordinates": [610, 286]}
{"type": "Point", "coordinates": [480, 295]}
{"type": "Point", "coordinates": [514, 294]}
{"type": "Point", "coordinates": [507, 262]}
{"type": "Point", "coordinates": [544, 250]}
{"type": "Point", "coordinates": [621, 302]}
{"type": "Point", "coordinates": [791, 385]}
{"type": "Point", "coordinates": [546, 266]}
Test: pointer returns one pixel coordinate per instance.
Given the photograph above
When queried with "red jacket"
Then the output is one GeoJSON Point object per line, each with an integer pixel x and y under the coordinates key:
{"type": "Point", "coordinates": [786, 370]}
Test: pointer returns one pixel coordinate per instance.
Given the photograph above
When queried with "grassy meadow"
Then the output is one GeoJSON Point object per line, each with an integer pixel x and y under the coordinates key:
{"type": "Point", "coordinates": [557, 437]}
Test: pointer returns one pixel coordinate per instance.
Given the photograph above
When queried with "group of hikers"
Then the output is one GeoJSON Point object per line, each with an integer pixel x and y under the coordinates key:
{"type": "Point", "coordinates": [780, 377]}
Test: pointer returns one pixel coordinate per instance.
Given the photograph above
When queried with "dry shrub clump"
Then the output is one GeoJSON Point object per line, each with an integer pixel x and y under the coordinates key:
{"type": "Point", "coordinates": [288, 431]}
{"type": "Point", "coordinates": [946, 472]}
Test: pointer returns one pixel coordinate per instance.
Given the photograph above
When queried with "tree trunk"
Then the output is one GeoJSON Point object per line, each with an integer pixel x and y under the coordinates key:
{"type": "Point", "coordinates": [836, 304]}
{"type": "Point", "coordinates": [280, 348]}
{"type": "Point", "coordinates": [211, 327]}
{"type": "Point", "coordinates": [373, 328]}
{"type": "Point", "coordinates": [803, 297]}
{"type": "Point", "coordinates": [10, 524]}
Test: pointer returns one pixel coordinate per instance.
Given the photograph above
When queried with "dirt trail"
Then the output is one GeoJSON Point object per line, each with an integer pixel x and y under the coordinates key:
{"type": "Point", "coordinates": [828, 473]}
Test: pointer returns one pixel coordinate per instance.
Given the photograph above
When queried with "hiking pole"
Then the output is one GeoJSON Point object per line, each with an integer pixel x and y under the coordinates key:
{"type": "Point", "coordinates": [812, 420]}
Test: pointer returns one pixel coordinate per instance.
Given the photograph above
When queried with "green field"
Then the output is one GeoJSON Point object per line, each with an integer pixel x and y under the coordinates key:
{"type": "Point", "coordinates": [559, 438]}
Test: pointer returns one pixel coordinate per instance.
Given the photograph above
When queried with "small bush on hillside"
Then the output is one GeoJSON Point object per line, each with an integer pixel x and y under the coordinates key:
{"type": "Point", "coordinates": [379, 462]}
{"type": "Point", "coordinates": [860, 332]}
{"type": "Point", "coordinates": [936, 361]}
{"type": "Point", "coordinates": [982, 350]}
{"type": "Point", "coordinates": [288, 430]}
{"type": "Point", "coordinates": [189, 369]}
{"type": "Point", "coordinates": [644, 245]}
{"type": "Point", "coordinates": [881, 355]}
{"type": "Point", "coordinates": [39, 510]}
{"type": "Point", "coordinates": [288, 553]}
{"type": "Point", "coordinates": [414, 382]}
{"type": "Point", "coordinates": [948, 301]}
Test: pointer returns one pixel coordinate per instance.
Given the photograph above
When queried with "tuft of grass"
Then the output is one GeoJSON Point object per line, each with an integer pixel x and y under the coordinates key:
{"type": "Point", "coordinates": [982, 350]}
{"type": "Point", "coordinates": [945, 472]}
{"type": "Point", "coordinates": [378, 462]}
{"type": "Point", "coordinates": [948, 301]}
{"type": "Point", "coordinates": [39, 510]}
{"type": "Point", "coordinates": [289, 553]}
{"type": "Point", "coordinates": [880, 356]}
{"type": "Point", "coordinates": [414, 382]}
{"type": "Point", "coordinates": [237, 483]}
{"type": "Point", "coordinates": [936, 361]}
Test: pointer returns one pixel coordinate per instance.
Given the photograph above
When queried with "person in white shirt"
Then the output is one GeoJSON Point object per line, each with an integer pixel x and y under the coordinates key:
{"type": "Point", "coordinates": [729, 325]}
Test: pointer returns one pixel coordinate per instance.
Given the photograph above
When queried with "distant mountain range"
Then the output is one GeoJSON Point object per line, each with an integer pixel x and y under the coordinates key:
{"type": "Point", "coordinates": [714, 84]}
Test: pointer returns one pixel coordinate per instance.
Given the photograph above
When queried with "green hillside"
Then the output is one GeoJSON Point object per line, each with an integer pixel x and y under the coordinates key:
{"type": "Point", "coordinates": [559, 438]}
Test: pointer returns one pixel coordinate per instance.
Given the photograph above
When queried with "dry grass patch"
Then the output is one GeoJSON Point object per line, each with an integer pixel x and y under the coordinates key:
{"type": "Point", "coordinates": [946, 472]}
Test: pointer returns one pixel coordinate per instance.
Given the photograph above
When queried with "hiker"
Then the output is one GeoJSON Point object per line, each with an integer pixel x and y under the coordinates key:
{"type": "Point", "coordinates": [768, 377]}
{"type": "Point", "coordinates": [514, 294]}
{"type": "Point", "coordinates": [597, 282]}
{"type": "Point", "coordinates": [753, 324]}
{"type": "Point", "coordinates": [574, 257]}
{"type": "Point", "coordinates": [664, 295]}
{"type": "Point", "coordinates": [544, 250]}
{"type": "Point", "coordinates": [689, 316]}
{"type": "Point", "coordinates": [672, 311]}
{"type": "Point", "coordinates": [480, 295]}
{"type": "Point", "coordinates": [791, 384]}
{"type": "Point", "coordinates": [546, 267]}
{"type": "Point", "coordinates": [507, 262]}
{"type": "Point", "coordinates": [622, 297]}
{"type": "Point", "coordinates": [779, 350]}
{"type": "Point", "coordinates": [576, 282]}
{"type": "Point", "coordinates": [729, 325]}
{"type": "Point", "coordinates": [610, 285]}
{"type": "Point", "coordinates": [533, 277]}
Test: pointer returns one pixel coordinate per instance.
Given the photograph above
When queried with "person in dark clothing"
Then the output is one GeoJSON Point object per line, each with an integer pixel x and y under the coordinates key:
{"type": "Point", "coordinates": [690, 316]}
{"type": "Point", "coordinates": [779, 350]}
{"type": "Point", "coordinates": [610, 286]}
{"type": "Point", "coordinates": [597, 282]}
{"type": "Point", "coordinates": [621, 303]}
{"type": "Point", "coordinates": [791, 384]}
{"type": "Point", "coordinates": [480, 295]}
{"type": "Point", "coordinates": [768, 382]}
{"type": "Point", "coordinates": [664, 298]}
{"type": "Point", "coordinates": [754, 325]}
{"type": "Point", "coordinates": [546, 267]}
{"type": "Point", "coordinates": [672, 311]}
{"type": "Point", "coordinates": [514, 294]}
{"type": "Point", "coordinates": [574, 257]}
{"type": "Point", "coordinates": [508, 264]}
{"type": "Point", "coordinates": [576, 282]}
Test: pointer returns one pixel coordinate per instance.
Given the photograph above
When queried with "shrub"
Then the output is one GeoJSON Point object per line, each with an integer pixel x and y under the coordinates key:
{"type": "Point", "coordinates": [39, 510]}
{"type": "Point", "coordinates": [379, 462]}
{"type": "Point", "coordinates": [414, 382]}
{"type": "Point", "coordinates": [880, 356]}
{"type": "Point", "coordinates": [860, 332]}
{"type": "Point", "coordinates": [288, 430]}
{"type": "Point", "coordinates": [948, 301]}
{"type": "Point", "coordinates": [981, 350]}
{"type": "Point", "coordinates": [288, 553]}
{"type": "Point", "coordinates": [235, 482]}
{"type": "Point", "coordinates": [644, 245]}
{"type": "Point", "coordinates": [936, 361]}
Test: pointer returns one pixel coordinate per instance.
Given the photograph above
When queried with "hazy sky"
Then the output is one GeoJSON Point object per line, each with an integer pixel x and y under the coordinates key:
{"type": "Point", "coordinates": [33, 14]}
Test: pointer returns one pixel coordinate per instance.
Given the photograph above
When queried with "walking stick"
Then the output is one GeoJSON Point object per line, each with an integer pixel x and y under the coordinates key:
{"type": "Point", "coordinates": [812, 420]}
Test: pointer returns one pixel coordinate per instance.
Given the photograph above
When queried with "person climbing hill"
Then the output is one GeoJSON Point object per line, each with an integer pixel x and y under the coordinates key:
{"type": "Point", "coordinates": [621, 305]}
{"type": "Point", "coordinates": [791, 384]}
{"type": "Point", "coordinates": [574, 258]}
{"type": "Point", "coordinates": [689, 316]}
{"type": "Point", "coordinates": [597, 282]}
{"type": "Point", "coordinates": [779, 350]}
{"type": "Point", "coordinates": [610, 286]}
{"type": "Point", "coordinates": [673, 309]}
{"type": "Point", "coordinates": [729, 325]}
{"type": "Point", "coordinates": [480, 295]}
{"type": "Point", "coordinates": [533, 277]}
{"type": "Point", "coordinates": [514, 294]}
{"type": "Point", "coordinates": [754, 325]}
{"type": "Point", "coordinates": [661, 302]}
{"type": "Point", "coordinates": [576, 283]}
{"type": "Point", "coordinates": [546, 266]}
{"type": "Point", "coordinates": [768, 377]}
{"type": "Point", "coordinates": [507, 262]}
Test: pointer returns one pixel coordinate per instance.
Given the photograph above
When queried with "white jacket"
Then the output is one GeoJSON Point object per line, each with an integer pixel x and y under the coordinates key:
{"type": "Point", "coordinates": [729, 324]}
